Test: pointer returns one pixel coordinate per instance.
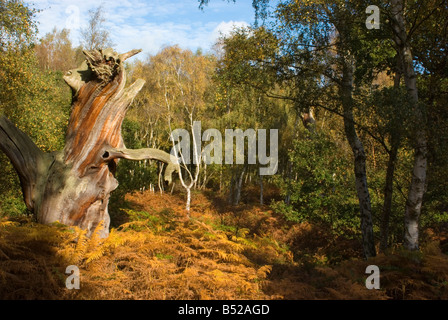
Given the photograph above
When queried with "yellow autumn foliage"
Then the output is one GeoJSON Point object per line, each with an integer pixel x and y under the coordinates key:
{"type": "Point", "coordinates": [196, 259]}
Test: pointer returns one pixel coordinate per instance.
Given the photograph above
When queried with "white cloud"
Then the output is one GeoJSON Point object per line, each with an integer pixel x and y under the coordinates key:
{"type": "Point", "coordinates": [225, 28]}
{"type": "Point", "coordinates": [151, 37]}
{"type": "Point", "coordinates": [148, 25]}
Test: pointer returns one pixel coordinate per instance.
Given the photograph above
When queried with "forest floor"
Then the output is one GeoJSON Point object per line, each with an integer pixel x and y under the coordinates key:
{"type": "Point", "coordinates": [248, 252]}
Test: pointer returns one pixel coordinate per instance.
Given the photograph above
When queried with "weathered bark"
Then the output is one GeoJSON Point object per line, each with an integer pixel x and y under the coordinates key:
{"type": "Point", "coordinates": [27, 159]}
{"type": "Point", "coordinates": [73, 186]}
{"type": "Point", "coordinates": [418, 182]}
{"type": "Point", "coordinates": [143, 154]}
{"type": "Point", "coordinates": [346, 90]}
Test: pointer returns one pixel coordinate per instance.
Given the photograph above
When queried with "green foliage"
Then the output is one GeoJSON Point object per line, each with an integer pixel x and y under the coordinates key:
{"type": "Point", "coordinates": [320, 187]}
{"type": "Point", "coordinates": [37, 102]}
{"type": "Point", "coordinates": [17, 25]}
{"type": "Point", "coordinates": [12, 205]}
{"type": "Point", "coordinates": [133, 175]}
{"type": "Point", "coordinates": [39, 107]}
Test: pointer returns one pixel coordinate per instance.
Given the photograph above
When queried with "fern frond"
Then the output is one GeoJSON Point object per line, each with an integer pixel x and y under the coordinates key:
{"type": "Point", "coordinates": [95, 238]}
{"type": "Point", "coordinates": [229, 257]}
{"type": "Point", "coordinates": [81, 246]}
{"type": "Point", "coordinates": [135, 225]}
{"type": "Point", "coordinates": [244, 242]}
{"type": "Point", "coordinates": [95, 255]}
{"type": "Point", "coordinates": [115, 240]}
{"type": "Point", "coordinates": [263, 272]}
{"type": "Point", "coordinates": [7, 223]}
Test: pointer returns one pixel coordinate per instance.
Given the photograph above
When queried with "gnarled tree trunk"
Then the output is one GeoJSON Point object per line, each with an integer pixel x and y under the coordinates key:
{"type": "Point", "coordinates": [73, 186]}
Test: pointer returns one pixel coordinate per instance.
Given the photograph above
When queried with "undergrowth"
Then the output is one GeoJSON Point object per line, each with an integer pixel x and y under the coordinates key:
{"type": "Point", "coordinates": [238, 253]}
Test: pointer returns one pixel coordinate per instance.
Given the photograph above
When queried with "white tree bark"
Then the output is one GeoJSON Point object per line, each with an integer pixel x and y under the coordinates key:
{"type": "Point", "coordinates": [418, 181]}
{"type": "Point", "coordinates": [359, 160]}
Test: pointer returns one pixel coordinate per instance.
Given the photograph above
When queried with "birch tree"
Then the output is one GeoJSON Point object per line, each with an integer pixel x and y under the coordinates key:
{"type": "Point", "coordinates": [180, 80]}
{"type": "Point", "coordinates": [95, 35]}
{"type": "Point", "coordinates": [418, 181]}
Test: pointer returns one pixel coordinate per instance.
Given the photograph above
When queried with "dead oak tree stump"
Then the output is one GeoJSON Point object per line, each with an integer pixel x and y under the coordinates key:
{"type": "Point", "coordinates": [73, 185]}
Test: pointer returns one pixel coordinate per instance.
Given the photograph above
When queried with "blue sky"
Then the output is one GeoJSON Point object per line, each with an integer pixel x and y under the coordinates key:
{"type": "Point", "coordinates": [149, 24]}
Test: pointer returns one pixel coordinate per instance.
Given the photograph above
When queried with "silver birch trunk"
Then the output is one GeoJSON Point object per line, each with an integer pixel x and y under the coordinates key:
{"type": "Point", "coordinates": [418, 182]}
{"type": "Point", "coordinates": [346, 91]}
